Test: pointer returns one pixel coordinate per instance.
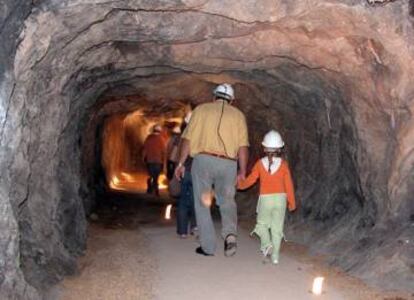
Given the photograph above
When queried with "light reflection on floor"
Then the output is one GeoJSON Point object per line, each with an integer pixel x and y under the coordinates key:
{"type": "Point", "coordinates": [135, 182]}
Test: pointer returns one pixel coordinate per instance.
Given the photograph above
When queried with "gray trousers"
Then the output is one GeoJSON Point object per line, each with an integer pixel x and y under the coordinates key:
{"type": "Point", "coordinates": [208, 172]}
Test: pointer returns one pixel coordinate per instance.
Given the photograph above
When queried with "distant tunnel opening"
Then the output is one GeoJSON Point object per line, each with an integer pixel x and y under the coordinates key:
{"type": "Point", "coordinates": [122, 143]}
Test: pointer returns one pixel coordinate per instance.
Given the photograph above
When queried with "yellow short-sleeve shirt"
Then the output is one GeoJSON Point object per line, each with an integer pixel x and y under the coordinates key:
{"type": "Point", "coordinates": [217, 127]}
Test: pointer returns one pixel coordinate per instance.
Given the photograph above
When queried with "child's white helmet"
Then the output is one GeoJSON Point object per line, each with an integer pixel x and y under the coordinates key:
{"type": "Point", "coordinates": [273, 139]}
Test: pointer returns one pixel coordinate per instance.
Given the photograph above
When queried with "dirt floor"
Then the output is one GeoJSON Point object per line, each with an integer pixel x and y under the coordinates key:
{"type": "Point", "coordinates": [134, 253]}
{"type": "Point", "coordinates": [351, 287]}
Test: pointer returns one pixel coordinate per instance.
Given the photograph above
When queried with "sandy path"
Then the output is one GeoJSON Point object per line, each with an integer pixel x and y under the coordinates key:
{"type": "Point", "coordinates": [185, 275]}
{"type": "Point", "coordinates": [133, 253]}
{"type": "Point", "coordinates": [114, 267]}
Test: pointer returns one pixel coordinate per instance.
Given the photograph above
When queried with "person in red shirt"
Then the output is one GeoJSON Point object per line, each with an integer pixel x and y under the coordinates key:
{"type": "Point", "coordinates": [153, 155]}
{"type": "Point", "coordinates": [276, 192]}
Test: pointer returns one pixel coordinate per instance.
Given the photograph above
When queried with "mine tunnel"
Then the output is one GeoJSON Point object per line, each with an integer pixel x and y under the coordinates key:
{"type": "Point", "coordinates": [119, 144]}
{"type": "Point", "coordinates": [81, 84]}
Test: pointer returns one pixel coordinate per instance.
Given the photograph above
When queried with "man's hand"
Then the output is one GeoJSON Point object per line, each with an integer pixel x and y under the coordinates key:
{"type": "Point", "coordinates": [179, 172]}
{"type": "Point", "coordinates": [184, 151]}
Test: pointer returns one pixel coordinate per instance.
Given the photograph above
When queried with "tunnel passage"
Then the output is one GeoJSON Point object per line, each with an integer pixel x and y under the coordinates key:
{"type": "Point", "coordinates": [118, 149]}
{"type": "Point", "coordinates": [114, 134]}
{"type": "Point", "coordinates": [334, 77]}
{"type": "Point", "coordinates": [319, 134]}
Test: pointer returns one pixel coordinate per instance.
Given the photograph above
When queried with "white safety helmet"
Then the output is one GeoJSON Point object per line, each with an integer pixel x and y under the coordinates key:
{"type": "Point", "coordinates": [225, 91]}
{"type": "Point", "coordinates": [157, 128]}
{"type": "Point", "coordinates": [176, 130]}
{"type": "Point", "coordinates": [273, 139]}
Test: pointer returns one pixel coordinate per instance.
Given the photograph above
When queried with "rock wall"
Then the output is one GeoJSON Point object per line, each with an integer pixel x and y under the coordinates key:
{"type": "Point", "coordinates": [12, 282]}
{"type": "Point", "coordinates": [333, 76]}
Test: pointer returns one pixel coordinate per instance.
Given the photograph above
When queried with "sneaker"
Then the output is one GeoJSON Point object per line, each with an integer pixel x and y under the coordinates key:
{"type": "Point", "coordinates": [275, 261]}
{"type": "Point", "coordinates": [183, 236]}
{"type": "Point", "coordinates": [267, 251]}
{"type": "Point", "coordinates": [200, 251]}
{"type": "Point", "coordinates": [193, 230]}
{"type": "Point", "coordinates": [230, 245]}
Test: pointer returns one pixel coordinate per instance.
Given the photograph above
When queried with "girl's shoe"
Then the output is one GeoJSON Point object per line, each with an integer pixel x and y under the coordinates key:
{"type": "Point", "coordinates": [183, 236]}
{"type": "Point", "coordinates": [275, 260]}
{"type": "Point", "coordinates": [267, 251]}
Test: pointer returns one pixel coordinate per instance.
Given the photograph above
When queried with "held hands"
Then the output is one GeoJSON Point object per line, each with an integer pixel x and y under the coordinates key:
{"type": "Point", "coordinates": [240, 177]}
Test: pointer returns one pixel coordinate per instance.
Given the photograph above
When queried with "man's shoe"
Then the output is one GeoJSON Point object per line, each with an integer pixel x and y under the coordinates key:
{"type": "Point", "coordinates": [230, 245]}
{"type": "Point", "coordinates": [200, 251]}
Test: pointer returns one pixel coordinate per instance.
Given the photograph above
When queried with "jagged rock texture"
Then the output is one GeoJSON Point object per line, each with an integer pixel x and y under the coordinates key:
{"type": "Point", "coordinates": [335, 77]}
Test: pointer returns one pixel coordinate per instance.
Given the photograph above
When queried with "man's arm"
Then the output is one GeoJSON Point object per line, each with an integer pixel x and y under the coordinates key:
{"type": "Point", "coordinates": [243, 157]}
{"type": "Point", "coordinates": [184, 152]}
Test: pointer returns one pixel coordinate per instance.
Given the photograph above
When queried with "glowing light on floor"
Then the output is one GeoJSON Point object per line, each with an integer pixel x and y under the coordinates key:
{"type": "Point", "coordinates": [114, 182]}
{"type": "Point", "coordinates": [168, 212]}
{"type": "Point", "coordinates": [317, 285]}
{"type": "Point", "coordinates": [162, 182]}
{"type": "Point", "coordinates": [127, 177]}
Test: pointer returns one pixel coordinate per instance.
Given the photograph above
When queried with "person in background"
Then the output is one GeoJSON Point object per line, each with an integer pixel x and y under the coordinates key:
{"type": "Point", "coordinates": [172, 151]}
{"type": "Point", "coordinates": [153, 155]}
{"type": "Point", "coordinates": [216, 138]}
{"type": "Point", "coordinates": [276, 192]}
{"type": "Point", "coordinates": [185, 205]}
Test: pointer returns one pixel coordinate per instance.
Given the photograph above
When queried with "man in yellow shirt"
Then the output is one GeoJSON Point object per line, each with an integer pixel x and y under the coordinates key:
{"type": "Point", "coordinates": [216, 138]}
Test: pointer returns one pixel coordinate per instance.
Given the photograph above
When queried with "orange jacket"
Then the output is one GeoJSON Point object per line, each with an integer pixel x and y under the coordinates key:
{"type": "Point", "coordinates": [278, 182]}
{"type": "Point", "coordinates": [154, 149]}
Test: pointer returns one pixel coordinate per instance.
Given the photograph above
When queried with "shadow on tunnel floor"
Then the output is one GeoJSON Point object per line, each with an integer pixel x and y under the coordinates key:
{"type": "Point", "coordinates": [131, 211]}
{"type": "Point", "coordinates": [121, 210]}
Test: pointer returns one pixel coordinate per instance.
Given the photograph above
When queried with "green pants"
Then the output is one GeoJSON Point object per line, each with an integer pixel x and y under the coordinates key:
{"type": "Point", "coordinates": [270, 220]}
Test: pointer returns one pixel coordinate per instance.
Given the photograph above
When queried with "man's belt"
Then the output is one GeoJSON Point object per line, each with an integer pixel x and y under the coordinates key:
{"type": "Point", "coordinates": [218, 155]}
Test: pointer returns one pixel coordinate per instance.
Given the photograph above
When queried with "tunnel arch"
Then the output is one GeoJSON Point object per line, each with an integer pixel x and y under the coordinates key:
{"type": "Point", "coordinates": [336, 76]}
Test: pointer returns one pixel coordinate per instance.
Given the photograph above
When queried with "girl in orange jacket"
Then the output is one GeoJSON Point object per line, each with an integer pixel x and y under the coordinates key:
{"type": "Point", "coordinates": [276, 192]}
